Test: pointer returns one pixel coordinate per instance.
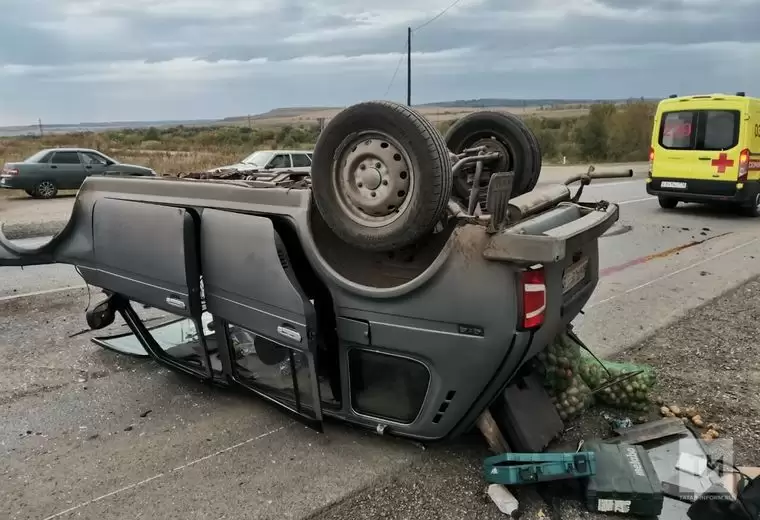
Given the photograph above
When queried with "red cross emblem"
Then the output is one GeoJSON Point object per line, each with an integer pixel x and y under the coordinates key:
{"type": "Point", "coordinates": [722, 162]}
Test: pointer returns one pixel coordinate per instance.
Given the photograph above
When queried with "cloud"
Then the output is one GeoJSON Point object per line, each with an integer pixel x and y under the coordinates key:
{"type": "Point", "coordinates": [72, 60]}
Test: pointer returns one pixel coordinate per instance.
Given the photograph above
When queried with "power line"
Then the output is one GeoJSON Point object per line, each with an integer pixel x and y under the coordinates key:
{"type": "Point", "coordinates": [395, 72]}
{"type": "Point", "coordinates": [425, 24]}
{"type": "Point", "coordinates": [433, 19]}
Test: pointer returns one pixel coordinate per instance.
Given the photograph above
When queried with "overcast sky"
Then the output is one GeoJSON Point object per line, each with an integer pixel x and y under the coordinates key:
{"type": "Point", "coordinates": [103, 60]}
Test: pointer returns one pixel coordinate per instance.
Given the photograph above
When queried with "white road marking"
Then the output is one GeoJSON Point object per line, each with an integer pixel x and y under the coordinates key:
{"type": "Point", "coordinates": [634, 200]}
{"type": "Point", "coordinates": [674, 273]}
{"type": "Point", "coordinates": [40, 293]}
{"type": "Point", "coordinates": [154, 477]}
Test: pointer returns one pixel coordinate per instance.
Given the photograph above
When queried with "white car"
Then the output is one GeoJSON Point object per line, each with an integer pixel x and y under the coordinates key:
{"type": "Point", "coordinates": [272, 160]}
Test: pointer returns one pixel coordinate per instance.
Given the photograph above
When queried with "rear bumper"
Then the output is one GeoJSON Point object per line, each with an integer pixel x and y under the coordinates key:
{"type": "Point", "coordinates": [705, 190]}
{"type": "Point", "coordinates": [14, 183]}
{"type": "Point", "coordinates": [551, 236]}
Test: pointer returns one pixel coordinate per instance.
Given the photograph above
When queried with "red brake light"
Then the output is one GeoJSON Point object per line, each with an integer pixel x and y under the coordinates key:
{"type": "Point", "coordinates": [533, 284]}
{"type": "Point", "coordinates": [8, 172]}
{"type": "Point", "coordinates": [743, 165]}
{"type": "Point", "coordinates": [651, 158]}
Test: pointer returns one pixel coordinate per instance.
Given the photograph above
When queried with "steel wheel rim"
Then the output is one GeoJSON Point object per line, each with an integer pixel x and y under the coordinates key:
{"type": "Point", "coordinates": [46, 188]}
{"type": "Point", "coordinates": [757, 201]}
{"type": "Point", "coordinates": [373, 178]}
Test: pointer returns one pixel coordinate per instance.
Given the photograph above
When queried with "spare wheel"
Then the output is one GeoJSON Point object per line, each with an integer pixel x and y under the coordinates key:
{"type": "Point", "coordinates": [381, 175]}
{"type": "Point", "coordinates": [498, 132]}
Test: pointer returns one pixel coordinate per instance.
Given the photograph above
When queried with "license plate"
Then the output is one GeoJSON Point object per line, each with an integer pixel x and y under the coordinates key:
{"type": "Point", "coordinates": [672, 184]}
{"type": "Point", "coordinates": [574, 274]}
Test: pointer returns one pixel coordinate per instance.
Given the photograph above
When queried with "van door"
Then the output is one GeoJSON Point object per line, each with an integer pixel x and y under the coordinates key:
{"type": "Point", "coordinates": [149, 255]}
{"type": "Point", "coordinates": [702, 144]}
{"type": "Point", "coordinates": [269, 322]}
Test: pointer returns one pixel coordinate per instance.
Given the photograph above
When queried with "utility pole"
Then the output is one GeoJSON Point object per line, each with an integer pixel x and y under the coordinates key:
{"type": "Point", "coordinates": [39, 122]}
{"type": "Point", "coordinates": [409, 66]}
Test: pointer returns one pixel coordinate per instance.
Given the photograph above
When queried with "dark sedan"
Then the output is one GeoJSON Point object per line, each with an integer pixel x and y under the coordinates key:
{"type": "Point", "coordinates": [53, 169]}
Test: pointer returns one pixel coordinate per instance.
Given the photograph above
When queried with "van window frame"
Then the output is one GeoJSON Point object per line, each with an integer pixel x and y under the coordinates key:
{"type": "Point", "coordinates": [699, 124]}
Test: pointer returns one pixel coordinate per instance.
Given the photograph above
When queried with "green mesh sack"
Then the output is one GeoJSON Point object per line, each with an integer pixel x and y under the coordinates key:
{"type": "Point", "coordinates": [561, 361]}
{"type": "Point", "coordinates": [560, 364]}
{"type": "Point", "coordinates": [630, 393]}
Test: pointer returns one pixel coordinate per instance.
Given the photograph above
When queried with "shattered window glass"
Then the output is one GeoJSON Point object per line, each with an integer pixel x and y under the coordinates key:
{"type": "Point", "coordinates": [179, 339]}
{"type": "Point", "coordinates": [273, 368]}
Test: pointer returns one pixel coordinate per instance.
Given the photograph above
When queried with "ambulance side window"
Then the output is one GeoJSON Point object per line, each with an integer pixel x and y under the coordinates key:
{"type": "Point", "coordinates": [721, 130]}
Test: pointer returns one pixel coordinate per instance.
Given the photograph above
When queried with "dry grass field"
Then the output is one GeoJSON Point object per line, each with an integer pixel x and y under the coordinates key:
{"type": "Point", "coordinates": [602, 132]}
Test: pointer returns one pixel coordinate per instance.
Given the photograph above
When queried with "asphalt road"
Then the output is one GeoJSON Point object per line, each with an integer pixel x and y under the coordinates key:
{"type": "Point", "coordinates": [91, 434]}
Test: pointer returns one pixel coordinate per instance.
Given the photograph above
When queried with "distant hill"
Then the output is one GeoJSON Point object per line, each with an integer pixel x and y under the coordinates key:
{"type": "Point", "coordinates": [437, 111]}
{"type": "Point", "coordinates": [7, 131]}
{"type": "Point", "coordinates": [278, 112]}
{"type": "Point", "coordinates": [509, 103]}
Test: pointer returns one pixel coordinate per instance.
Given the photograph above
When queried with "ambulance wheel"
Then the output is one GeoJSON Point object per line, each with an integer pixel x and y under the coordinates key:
{"type": "Point", "coordinates": [752, 210]}
{"type": "Point", "coordinates": [667, 202]}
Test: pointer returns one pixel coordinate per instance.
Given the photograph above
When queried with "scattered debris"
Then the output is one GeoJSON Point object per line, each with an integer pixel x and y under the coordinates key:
{"type": "Point", "coordinates": [625, 481]}
{"type": "Point", "coordinates": [527, 416]}
{"type": "Point", "coordinates": [128, 429]}
{"type": "Point", "coordinates": [650, 431]}
{"type": "Point", "coordinates": [504, 500]}
{"type": "Point", "coordinates": [616, 423]}
{"type": "Point", "coordinates": [492, 433]}
{"type": "Point", "coordinates": [145, 413]}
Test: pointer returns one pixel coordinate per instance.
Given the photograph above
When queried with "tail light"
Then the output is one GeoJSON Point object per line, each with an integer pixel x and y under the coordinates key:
{"type": "Point", "coordinates": [533, 285]}
{"type": "Point", "coordinates": [651, 158]}
{"type": "Point", "coordinates": [9, 172]}
{"type": "Point", "coordinates": [743, 165]}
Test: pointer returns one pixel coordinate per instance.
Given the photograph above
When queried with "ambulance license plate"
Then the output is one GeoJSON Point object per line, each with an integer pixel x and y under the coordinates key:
{"type": "Point", "coordinates": [574, 274]}
{"type": "Point", "coordinates": [672, 184]}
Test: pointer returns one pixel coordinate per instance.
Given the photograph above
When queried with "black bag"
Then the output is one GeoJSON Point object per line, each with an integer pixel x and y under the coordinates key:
{"type": "Point", "coordinates": [717, 504]}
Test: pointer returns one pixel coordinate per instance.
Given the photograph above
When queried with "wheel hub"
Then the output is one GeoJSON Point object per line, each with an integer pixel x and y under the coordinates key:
{"type": "Point", "coordinates": [369, 177]}
{"type": "Point", "coordinates": [373, 179]}
{"type": "Point", "coordinates": [504, 163]}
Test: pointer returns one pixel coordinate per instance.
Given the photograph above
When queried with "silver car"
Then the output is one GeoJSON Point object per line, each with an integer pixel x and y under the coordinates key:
{"type": "Point", "coordinates": [271, 160]}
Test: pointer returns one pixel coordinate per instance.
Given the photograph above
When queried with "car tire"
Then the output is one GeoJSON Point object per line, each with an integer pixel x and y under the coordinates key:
{"type": "Point", "coordinates": [753, 209]}
{"type": "Point", "coordinates": [46, 189]}
{"type": "Point", "coordinates": [381, 176]}
{"type": "Point", "coordinates": [667, 202]}
{"type": "Point", "coordinates": [501, 132]}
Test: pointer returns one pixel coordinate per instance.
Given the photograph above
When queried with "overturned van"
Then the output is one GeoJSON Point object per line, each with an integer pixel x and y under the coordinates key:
{"type": "Point", "coordinates": [400, 287]}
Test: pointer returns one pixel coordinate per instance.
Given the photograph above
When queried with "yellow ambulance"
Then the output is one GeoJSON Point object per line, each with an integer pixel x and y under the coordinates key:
{"type": "Point", "coordinates": [706, 148]}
